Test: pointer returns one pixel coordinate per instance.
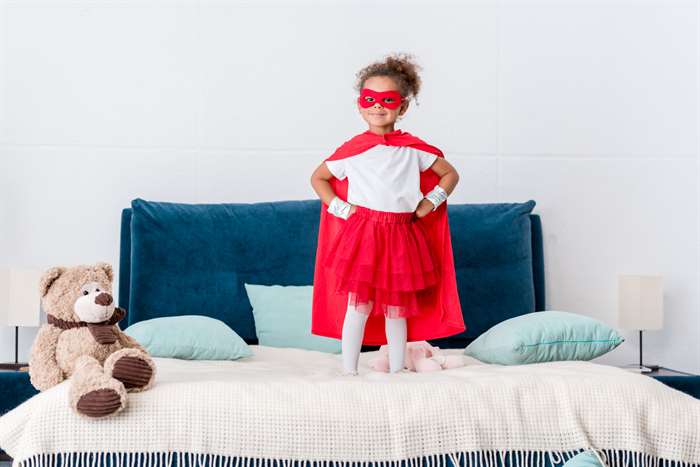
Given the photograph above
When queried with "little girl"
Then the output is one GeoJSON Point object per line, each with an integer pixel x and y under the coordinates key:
{"type": "Point", "coordinates": [384, 267]}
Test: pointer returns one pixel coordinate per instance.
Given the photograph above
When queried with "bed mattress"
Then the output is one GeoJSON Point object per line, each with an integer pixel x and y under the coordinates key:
{"type": "Point", "coordinates": [291, 405]}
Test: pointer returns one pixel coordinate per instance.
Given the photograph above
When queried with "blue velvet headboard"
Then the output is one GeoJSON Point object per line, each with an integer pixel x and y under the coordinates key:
{"type": "Point", "coordinates": [180, 259]}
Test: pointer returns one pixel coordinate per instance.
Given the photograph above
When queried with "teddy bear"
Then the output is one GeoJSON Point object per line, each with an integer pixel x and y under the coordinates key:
{"type": "Point", "coordinates": [82, 341]}
{"type": "Point", "coordinates": [420, 356]}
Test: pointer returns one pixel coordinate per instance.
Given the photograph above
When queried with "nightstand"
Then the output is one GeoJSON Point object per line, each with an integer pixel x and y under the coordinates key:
{"type": "Point", "coordinates": [14, 366]}
{"type": "Point", "coordinates": [684, 382]}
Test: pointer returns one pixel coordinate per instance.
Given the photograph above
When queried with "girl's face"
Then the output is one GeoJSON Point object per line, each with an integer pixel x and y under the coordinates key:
{"type": "Point", "coordinates": [378, 115]}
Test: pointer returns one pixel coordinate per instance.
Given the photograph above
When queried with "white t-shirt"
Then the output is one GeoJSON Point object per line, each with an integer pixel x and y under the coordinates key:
{"type": "Point", "coordinates": [384, 178]}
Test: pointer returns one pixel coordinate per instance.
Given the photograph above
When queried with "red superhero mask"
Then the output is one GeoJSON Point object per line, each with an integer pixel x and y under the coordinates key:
{"type": "Point", "coordinates": [388, 99]}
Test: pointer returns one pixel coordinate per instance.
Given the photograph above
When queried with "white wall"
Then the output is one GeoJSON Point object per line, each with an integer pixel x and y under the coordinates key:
{"type": "Point", "coordinates": [588, 107]}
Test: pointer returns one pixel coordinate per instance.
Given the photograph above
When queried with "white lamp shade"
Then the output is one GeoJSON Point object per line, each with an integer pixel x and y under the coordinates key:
{"type": "Point", "coordinates": [640, 302]}
{"type": "Point", "coordinates": [19, 297]}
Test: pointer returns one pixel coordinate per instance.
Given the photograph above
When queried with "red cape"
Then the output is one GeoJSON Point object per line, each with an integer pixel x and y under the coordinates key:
{"type": "Point", "coordinates": [442, 315]}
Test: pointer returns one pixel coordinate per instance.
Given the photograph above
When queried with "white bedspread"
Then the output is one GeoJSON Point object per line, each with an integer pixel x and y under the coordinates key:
{"type": "Point", "coordinates": [292, 404]}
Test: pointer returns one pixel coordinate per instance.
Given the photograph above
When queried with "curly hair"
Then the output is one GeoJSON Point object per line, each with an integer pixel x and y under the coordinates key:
{"type": "Point", "coordinates": [400, 67]}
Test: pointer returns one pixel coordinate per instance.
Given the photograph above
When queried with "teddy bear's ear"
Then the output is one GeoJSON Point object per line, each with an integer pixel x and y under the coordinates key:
{"type": "Point", "coordinates": [107, 268]}
{"type": "Point", "coordinates": [48, 278]}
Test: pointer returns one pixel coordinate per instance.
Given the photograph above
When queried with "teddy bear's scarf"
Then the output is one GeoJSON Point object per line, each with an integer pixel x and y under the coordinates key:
{"type": "Point", "coordinates": [102, 332]}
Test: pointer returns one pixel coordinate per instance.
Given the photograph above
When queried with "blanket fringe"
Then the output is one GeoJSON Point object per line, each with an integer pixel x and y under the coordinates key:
{"type": "Point", "coordinates": [482, 458]}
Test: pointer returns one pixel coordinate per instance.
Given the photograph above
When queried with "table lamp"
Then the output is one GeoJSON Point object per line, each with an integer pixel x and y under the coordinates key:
{"type": "Point", "coordinates": [640, 307]}
{"type": "Point", "coordinates": [19, 304]}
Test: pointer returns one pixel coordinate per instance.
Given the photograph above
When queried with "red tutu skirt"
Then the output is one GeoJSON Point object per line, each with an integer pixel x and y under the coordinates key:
{"type": "Point", "coordinates": [382, 261]}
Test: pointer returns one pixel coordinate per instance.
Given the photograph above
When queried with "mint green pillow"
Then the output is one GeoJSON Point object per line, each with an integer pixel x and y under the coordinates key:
{"type": "Point", "coordinates": [189, 337]}
{"type": "Point", "coordinates": [544, 336]}
{"type": "Point", "coordinates": [283, 317]}
{"type": "Point", "coordinates": [583, 459]}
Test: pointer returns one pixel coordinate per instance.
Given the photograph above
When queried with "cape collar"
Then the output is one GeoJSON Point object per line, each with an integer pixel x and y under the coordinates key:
{"type": "Point", "coordinates": [102, 332]}
{"type": "Point", "coordinates": [387, 134]}
{"type": "Point", "coordinates": [367, 140]}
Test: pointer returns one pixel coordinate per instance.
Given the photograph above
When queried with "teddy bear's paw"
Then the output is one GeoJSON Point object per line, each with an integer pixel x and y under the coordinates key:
{"type": "Point", "coordinates": [132, 367]}
{"type": "Point", "coordinates": [100, 403]}
{"type": "Point", "coordinates": [134, 372]}
{"type": "Point", "coordinates": [93, 393]}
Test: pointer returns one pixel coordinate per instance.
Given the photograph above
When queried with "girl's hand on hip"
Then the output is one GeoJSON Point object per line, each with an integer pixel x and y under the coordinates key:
{"type": "Point", "coordinates": [424, 208]}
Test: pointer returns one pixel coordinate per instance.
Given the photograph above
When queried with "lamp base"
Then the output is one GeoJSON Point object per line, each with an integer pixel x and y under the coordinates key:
{"type": "Point", "coordinates": [641, 368]}
{"type": "Point", "coordinates": [14, 366]}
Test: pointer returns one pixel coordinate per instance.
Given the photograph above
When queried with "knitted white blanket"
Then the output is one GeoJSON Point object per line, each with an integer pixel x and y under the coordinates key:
{"type": "Point", "coordinates": [286, 405]}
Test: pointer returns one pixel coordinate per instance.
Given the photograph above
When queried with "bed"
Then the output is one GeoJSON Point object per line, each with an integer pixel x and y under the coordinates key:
{"type": "Point", "coordinates": [288, 407]}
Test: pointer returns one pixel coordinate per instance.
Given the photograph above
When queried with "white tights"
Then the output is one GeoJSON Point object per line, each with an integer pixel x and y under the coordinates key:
{"type": "Point", "coordinates": [354, 331]}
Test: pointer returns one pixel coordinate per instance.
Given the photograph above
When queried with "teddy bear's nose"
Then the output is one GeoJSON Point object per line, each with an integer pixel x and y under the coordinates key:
{"type": "Point", "coordinates": [103, 299]}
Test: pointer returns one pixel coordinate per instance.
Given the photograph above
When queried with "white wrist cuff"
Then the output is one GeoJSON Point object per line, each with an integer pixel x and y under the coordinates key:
{"type": "Point", "coordinates": [339, 208]}
{"type": "Point", "coordinates": [437, 196]}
